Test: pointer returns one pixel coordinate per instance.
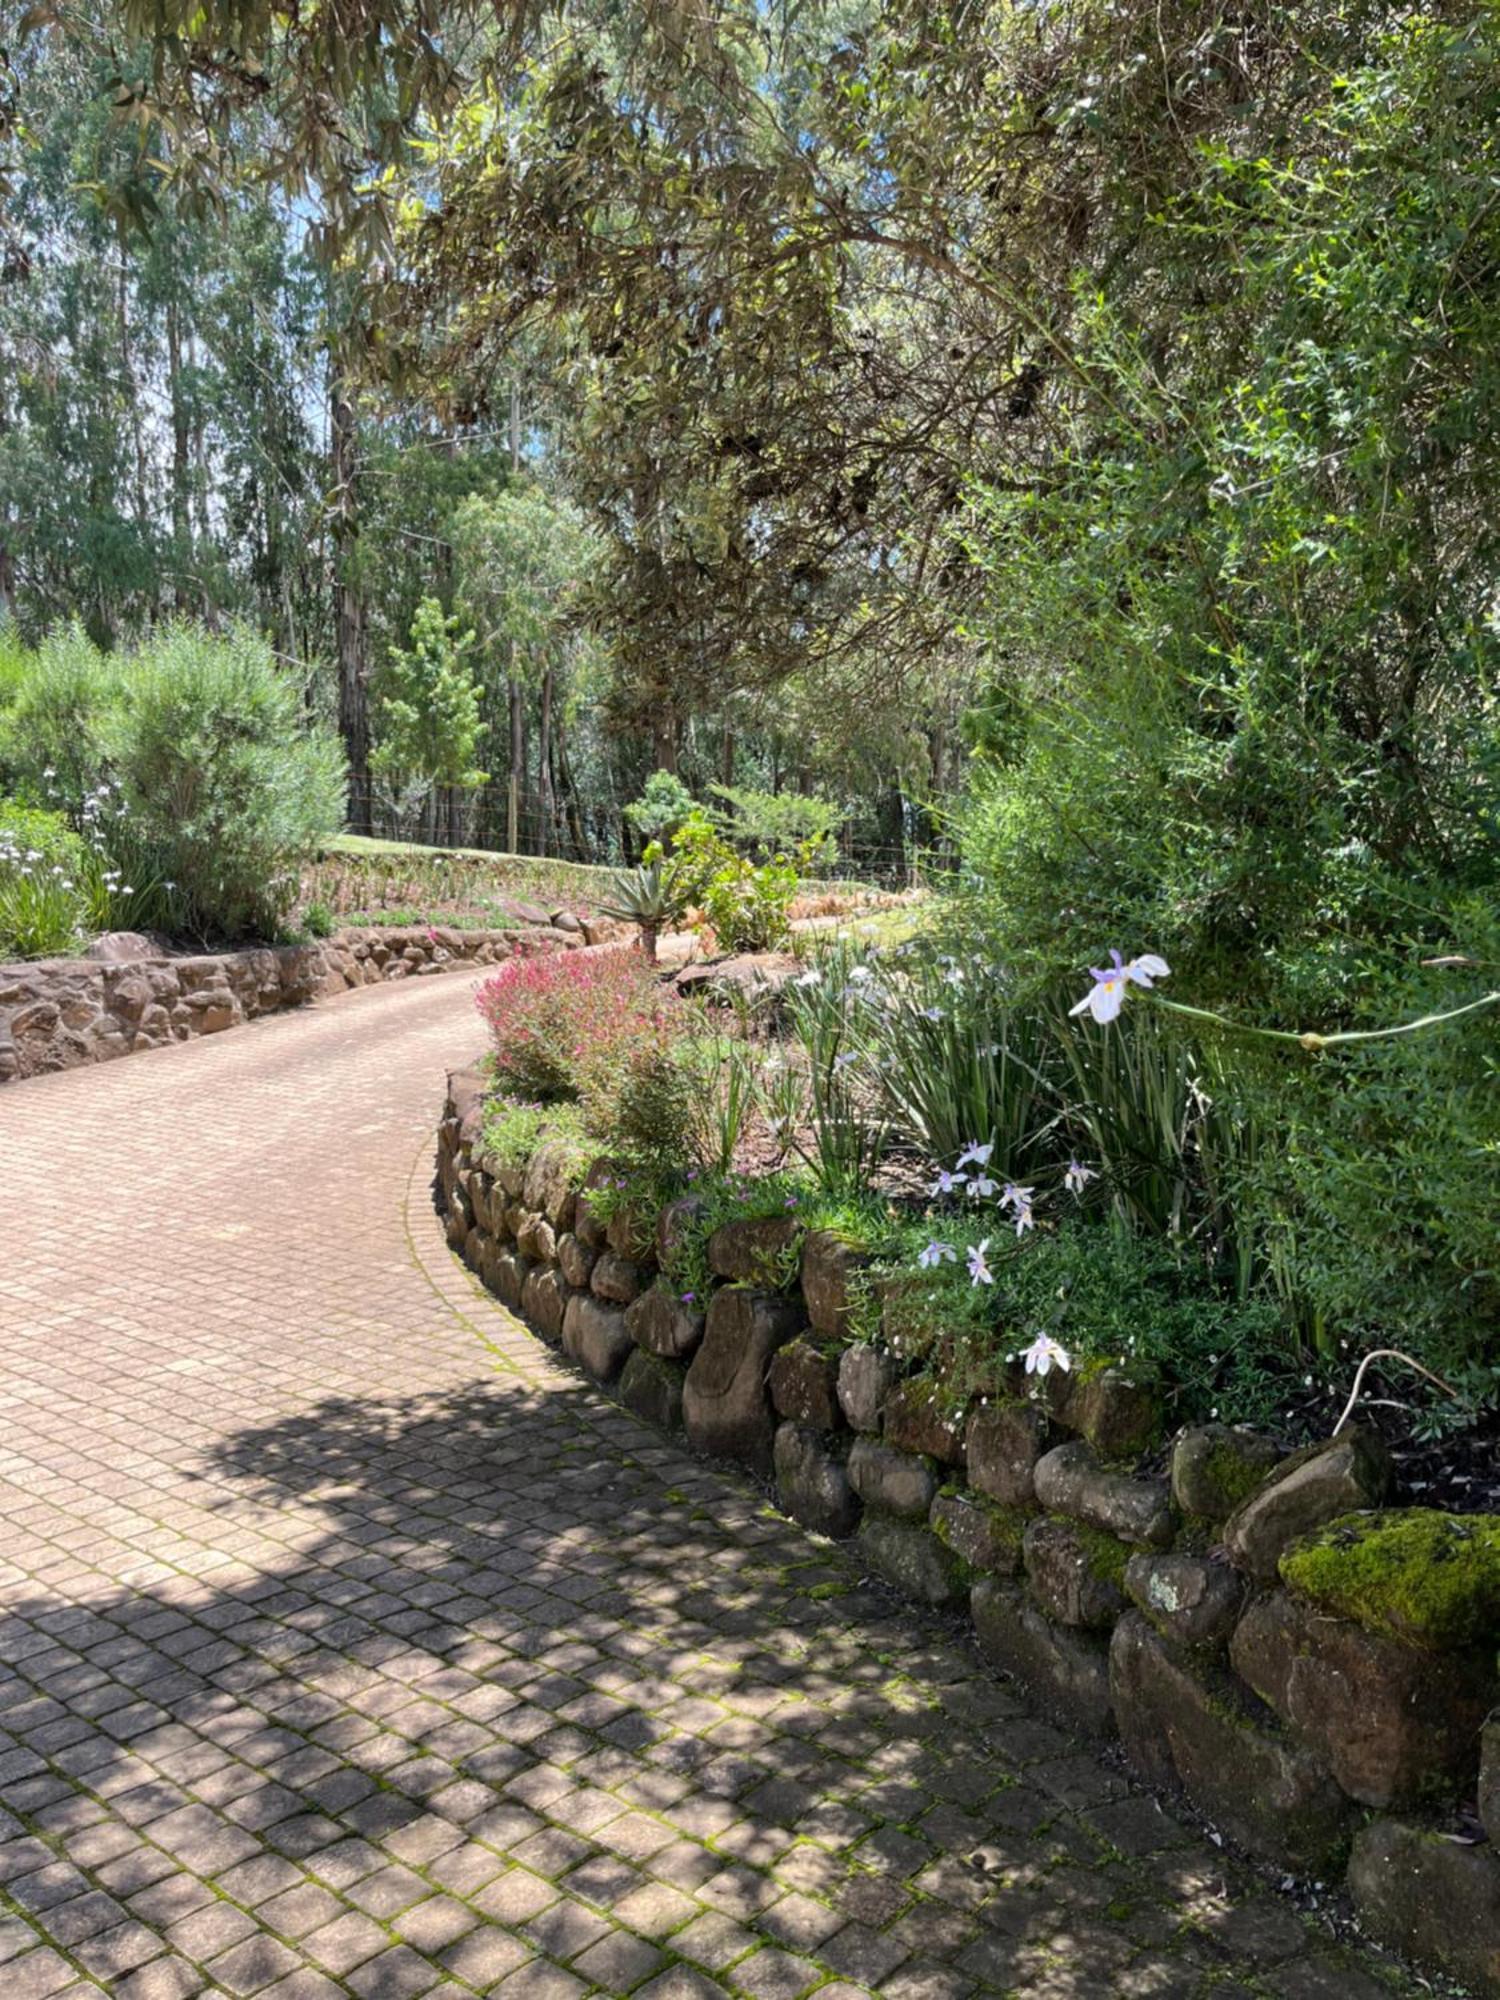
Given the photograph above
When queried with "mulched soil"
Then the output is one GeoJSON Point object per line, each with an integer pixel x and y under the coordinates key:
{"type": "Point", "coordinates": [1459, 1473]}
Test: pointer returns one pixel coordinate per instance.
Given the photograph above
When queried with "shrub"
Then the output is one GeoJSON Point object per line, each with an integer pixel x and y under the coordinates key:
{"type": "Point", "coordinates": [44, 899]}
{"type": "Point", "coordinates": [771, 823]}
{"type": "Point", "coordinates": [747, 905]}
{"type": "Point", "coordinates": [190, 767]}
{"type": "Point", "coordinates": [224, 776]}
{"type": "Point", "coordinates": [640, 1098]}
{"type": "Point", "coordinates": [1100, 1291]}
{"type": "Point", "coordinates": [56, 732]}
{"type": "Point", "coordinates": [514, 1130]}
{"type": "Point", "coordinates": [556, 1019]}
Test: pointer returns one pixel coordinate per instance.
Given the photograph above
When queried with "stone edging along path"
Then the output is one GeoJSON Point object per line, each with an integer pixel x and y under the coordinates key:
{"type": "Point", "coordinates": [1219, 1620]}
{"type": "Point", "coordinates": [59, 1013]}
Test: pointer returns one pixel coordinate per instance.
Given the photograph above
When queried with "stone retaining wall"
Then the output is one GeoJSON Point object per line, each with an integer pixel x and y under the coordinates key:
{"type": "Point", "coordinates": [57, 1013]}
{"type": "Point", "coordinates": [1215, 1615]}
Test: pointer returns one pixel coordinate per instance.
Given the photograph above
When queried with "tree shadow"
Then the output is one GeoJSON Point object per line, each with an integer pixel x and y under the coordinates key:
{"type": "Point", "coordinates": [507, 1647]}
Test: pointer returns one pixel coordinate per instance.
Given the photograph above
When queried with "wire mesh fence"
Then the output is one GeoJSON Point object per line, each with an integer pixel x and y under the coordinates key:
{"type": "Point", "coordinates": [492, 819]}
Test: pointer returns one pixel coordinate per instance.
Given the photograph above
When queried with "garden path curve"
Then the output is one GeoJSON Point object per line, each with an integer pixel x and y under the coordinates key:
{"type": "Point", "coordinates": [350, 1645]}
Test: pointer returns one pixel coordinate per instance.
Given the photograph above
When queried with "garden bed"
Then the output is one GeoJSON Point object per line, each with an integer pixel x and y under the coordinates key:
{"type": "Point", "coordinates": [1266, 1632]}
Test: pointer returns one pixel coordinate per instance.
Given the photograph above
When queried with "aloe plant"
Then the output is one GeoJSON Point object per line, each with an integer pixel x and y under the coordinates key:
{"type": "Point", "coordinates": [653, 897]}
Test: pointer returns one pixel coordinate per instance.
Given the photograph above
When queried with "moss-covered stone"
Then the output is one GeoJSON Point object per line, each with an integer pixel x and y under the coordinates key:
{"type": "Point", "coordinates": [1216, 1467]}
{"type": "Point", "coordinates": [984, 1534]}
{"type": "Point", "coordinates": [1117, 1409]}
{"type": "Point", "coordinates": [1429, 1578]}
{"type": "Point", "coordinates": [1077, 1572]}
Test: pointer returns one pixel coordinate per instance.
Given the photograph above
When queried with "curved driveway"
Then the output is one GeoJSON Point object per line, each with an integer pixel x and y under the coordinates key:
{"type": "Point", "coordinates": [348, 1645]}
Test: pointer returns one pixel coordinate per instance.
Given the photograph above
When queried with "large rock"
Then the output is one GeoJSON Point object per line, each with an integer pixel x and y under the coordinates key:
{"type": "Point", "coordinates": [895, 1482]}
{"type": "Point", "coordinates": [1071, 1481]}
{"type": "Point", "coordinates": [865, 1378]}
{"type": "Point", "coordinates": [1067, 1672]}
{"type": "Point", "coordinates": [812, 1482]}
{"type": "Point", "coordinates": [914, 1560]}
{"type": "Point", "coordinates": [663, 1323]}
{"type": "Point", "coordinates": [1193, 1726]}
{"type": "Point", "coordinates": [653, 1389]}
{"type": "Point", "coordinates": [544, 1299]}
{"type": "Point", "coordinates": [980, 1532]}
{"type": "Point", "coordinates": [489, 1212]}
{"type": "Point", "coordinates": [616, 1278]}
{"type": "Point", "coordinates": [536, 1238]}
{"type": "Point", "coordinates": [1118, 1410]}
{"type": "Point", "coordinates": [759, 977]}
{"type": "Point", "coordinates": [754, 1251]}
{"type": "Point", "coordinates": [1187, 1598]}
{"type": "Point", "coordinates": [575, 1260]}
{"type": "Point", "coordinates": [1431, 1899]}
{"type": "Point", "coordinates": [917, 1420]}
{"type": "Point", "coordinates": [805, 1386]}
{"type": "Point", "coordinates": [1413, 1573]}
{"type": "Point", "coordinates": [1216, 1467]}
{"type": "Point", "coordinates": [830, 1267]}
{"type": "Point", "coordinates": [506, 1274]}
{"type": "Point", "coordinates": [725, 1406]}
{"type": "Point", "coordinates": [1305, 1491]}
{"type": "Point", "coordinates": [1394, 1724]}
{"type": "Point", "coordinates": [594, 1335]}
{"type": "Point", "coordinates": [549, 1184]}
{"type": "Point", "coordinates": [1004, 1442]}
{"type": "Point", "coordinates": [118, 947]}
{"type": "Point", "coordinates": [1075, 1572]}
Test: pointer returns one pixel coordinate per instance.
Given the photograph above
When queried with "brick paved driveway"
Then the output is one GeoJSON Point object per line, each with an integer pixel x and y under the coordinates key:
{"type": "Point", "coordinates": [349, 1646]}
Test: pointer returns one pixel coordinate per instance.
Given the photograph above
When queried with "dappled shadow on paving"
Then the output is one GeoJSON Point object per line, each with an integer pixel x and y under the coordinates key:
{"type": "Point", "coordinates": [527, 1681]}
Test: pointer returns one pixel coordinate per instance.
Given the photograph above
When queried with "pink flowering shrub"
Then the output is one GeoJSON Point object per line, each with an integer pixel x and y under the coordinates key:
{"type": "Point", "coordinates": [557, 1020]}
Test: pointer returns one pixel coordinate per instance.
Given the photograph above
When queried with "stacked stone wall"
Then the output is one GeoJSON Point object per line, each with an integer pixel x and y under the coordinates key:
{"type": "Point", "coordinates": [1184, 1610]}
{"type": "Point", "coordinates": [58, 1013]}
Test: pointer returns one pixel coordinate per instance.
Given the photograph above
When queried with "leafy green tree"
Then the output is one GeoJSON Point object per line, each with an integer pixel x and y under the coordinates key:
{"type": "Point", "coordinates": [428, 723]}
{"type": "Point", "coordinates": [520, 558]}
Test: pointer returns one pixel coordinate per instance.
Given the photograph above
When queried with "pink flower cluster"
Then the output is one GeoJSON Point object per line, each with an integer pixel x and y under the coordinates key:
{"type": "Point", "coordinates": [554, 1018]}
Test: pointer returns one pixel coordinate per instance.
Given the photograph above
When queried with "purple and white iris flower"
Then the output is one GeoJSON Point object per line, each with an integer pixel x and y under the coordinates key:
{"type": "Point", "coordinates": [1019, 1202]}
{"type": "Point", "coordinates": [1045, 1354]}
{"type": "Point", "coordinates": [1112, 982]}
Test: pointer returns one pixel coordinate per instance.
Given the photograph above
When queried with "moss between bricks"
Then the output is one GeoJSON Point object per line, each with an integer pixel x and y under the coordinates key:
{"type": "Point", "coordinates": [1429, 1578]}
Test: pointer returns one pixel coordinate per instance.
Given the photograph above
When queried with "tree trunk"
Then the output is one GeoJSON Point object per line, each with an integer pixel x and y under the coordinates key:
{"type": "Point", "coordinates": [517, 761]}
{"type": "Point", "coordinates": [664, 739]}
{"type": "Point", "coordinates": [544, 767]}
{"type": "Point", "coordinates": [182, 533]}
{"type": "Point", "coordinates": [568, 792]}
{"type": "Point", "coordinates": [132, 393]}
{"type": "Point", "coordinates": [348, 598]}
